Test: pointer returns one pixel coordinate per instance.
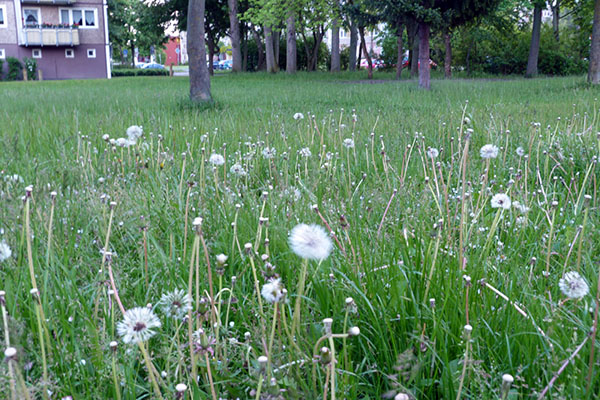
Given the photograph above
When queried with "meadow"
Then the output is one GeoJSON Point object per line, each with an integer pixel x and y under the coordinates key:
{"type": "Point", "coordinates": [153, 249]}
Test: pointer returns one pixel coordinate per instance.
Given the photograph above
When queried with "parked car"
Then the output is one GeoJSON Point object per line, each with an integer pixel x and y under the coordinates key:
{"type": "Point", "coordinates": [405, 63]}
{"type": "Point", "coordinates": [153, 66]}
{"type": "Point", "coordinates": [140, 65]}
{"type": "Point", "coordinates": [365, 64]}
{"type": "Point", "coordinates": [225, 65]}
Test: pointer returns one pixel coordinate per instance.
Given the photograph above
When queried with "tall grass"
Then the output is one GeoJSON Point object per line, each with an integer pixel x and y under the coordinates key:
{"type": "Point", "coordinates": [397, 218]}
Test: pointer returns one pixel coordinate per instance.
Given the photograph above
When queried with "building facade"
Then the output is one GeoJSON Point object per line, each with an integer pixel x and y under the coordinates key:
{"type": "Point", "coordinates": [67, 38]}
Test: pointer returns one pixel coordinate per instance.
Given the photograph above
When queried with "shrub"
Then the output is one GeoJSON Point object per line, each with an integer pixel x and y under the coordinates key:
{"type": "Point", "coordinates": [14, 69]}
{"type": "Point", "coordinates": [1, 69]}
{"type": "Point", "coordinates": [120, 72]}
{"type": "Point", "coordinates": [31, 68]}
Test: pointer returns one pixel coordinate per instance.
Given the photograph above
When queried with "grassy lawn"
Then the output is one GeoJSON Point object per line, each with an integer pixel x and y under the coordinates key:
{"type": "Point", "coordinates": [395, 173]}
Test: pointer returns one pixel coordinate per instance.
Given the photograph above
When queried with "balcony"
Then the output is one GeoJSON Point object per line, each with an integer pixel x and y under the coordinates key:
{"type": "Point", "coordinates": [46, 36]}
{"type": "Point", "coordinates": [48, 2]}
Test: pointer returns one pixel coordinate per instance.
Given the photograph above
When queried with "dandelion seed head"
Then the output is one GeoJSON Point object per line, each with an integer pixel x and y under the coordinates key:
{"type": "Point", "coordinates": [176, 304]}
{"type": "Point", "coordinates": [298, 116]}
{"type": "Point", "coordinates": [348, 143]}
{"type": "Point", "coordinates": [138, 325]}
{"type": "Point", "coordinates": [310, 242]}
{"type": "Point", "coordinates": [433, 153]}
{"type": "Point", "coordinates": [501, 200]}
{"type": "Point", "coordinates": [272, 291]}
{"type": "Point", "coordinates": [5, 251]}
{"type": "Point", "coordinates": [134, 132]}
{"type": "Point", "coordinates": [489, 151]}
{"type": "Point", "coordinates": [573, 285]}
{"type": "Point", "coordinates": [216, 159]}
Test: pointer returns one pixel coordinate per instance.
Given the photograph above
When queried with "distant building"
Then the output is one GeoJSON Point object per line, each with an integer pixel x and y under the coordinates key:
{"type": "Point", "coordinates": [176, 50]}
{"type": "Point", "coordinates": [67, 38]}
{"type": "Point", "coordinates": [371, 41]}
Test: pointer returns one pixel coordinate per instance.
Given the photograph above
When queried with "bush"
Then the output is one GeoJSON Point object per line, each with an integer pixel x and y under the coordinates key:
{"type": "Point", "coordinates": [14, 69]}
{"type": "Point", "coordinates": [31, 68]}
{"type": "Point", "coordinates": [120, 72]}
{"type": "Point", "coordinates": [1, 69]}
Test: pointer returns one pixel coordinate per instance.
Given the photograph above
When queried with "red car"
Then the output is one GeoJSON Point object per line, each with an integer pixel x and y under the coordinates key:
{"type": "Point", "coordinates": [405, 63]}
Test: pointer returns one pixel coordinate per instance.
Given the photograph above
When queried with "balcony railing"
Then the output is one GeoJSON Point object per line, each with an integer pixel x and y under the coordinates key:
{"type": "Point", "coordinates": [50, 2]}
{"type": "Point", "coordinates": [41, 36]}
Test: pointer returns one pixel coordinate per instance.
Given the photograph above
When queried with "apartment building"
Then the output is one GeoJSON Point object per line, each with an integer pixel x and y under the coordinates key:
{"type": "Point", "coordinates": [67, 38]}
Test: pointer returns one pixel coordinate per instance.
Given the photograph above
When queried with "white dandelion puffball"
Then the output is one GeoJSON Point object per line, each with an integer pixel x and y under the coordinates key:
{"type": "Point", "coordinates": [501, 200]}
{"type": "Point", "coordinates": [237, 170]}
{"type": "Point", "coordinates": [269, 152]}
{"type": "Point", "coordinates": [272, 291]}
{"type": "Point", "coordinates": [298, 116]}
{"type": "Point", "coordinates": [216, 159]}
{"type": "Point", "coordinates": [348, 143]}
{"type": "Point", "coordinates": [138, 325]}
{"type": "Point", "coordinates": [433, 153]}
{"type": "Point", "coordinates": [310, 242]}
{"type": "Point", "coordinates": [124, 142]}
{"type": "Point", "coordinates": [573, 285]}
{"type": "Point", "coordinates": [489, 151]}
{"type": "Point", "coordinates": [5, 251]}
{"type": "Point", "coordinates": [134, 132]}
{"type": "Point", "coordinates": [520, 151]}
{"type": "Point", "coordinates": [305, 152]}
{"type": "Point", "coordinates": [176, 304]}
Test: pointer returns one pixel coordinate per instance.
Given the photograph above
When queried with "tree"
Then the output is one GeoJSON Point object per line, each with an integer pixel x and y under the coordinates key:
{"type": "Point", "coordinates": [234, 34]}
{"type": "Point", "coordinates": [534, 48]}
{"type": "Point", "coordinates": [199, 76]}
{"type": "Point", "coordinates": [135, 24]}
{"type": "Point", "coordinates": [216, 23]}
{"type": "Point", "coordinates": [594, 68]}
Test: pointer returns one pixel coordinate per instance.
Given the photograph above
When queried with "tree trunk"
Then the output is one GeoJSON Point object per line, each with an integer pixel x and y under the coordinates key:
{"type": "Point", "coordinates": [271, 67]}
{"type": "Point", "coordinates": [335, 46]}
{"type": "Point", "coordinates": [534, 48]}
{"type": "Point", "coordinates": [234, 29]}
{"type": "Point", "coordinates": [400, 55]}
{"type": "Point", "coordinates": [276, 37]}
{"type": "Point", "coordinates": [400, 60]}
{"type": "Point", "coordinates": [261, 51]}
{"type": "Point", "coordinates": [353, 45]}
{"type": "Point", "coordinates": [244, 51]}
{"type": "Point", "coordinates": [318, 38]}
{"type": "Point", "coordinates": [414, 61]}
{"type": "Point", "coordinates": [424, 73]}
{"type": "Point", "coordinates": [211, 56]}
{"type": "Point", "coordinates": [359, 56]}
{"type": "Point", "coordinates": [556, 19]}
{"type": "Point", "coordinates": [448, 56]}
{"type": "Point", "coordinates": [291, 58]}
{"type": "Point", "coordinates": [594, 68]}
{"type": "Point", "coordinates": [199, 78]}
{"type": "Point", "coordinates": [363, 45]}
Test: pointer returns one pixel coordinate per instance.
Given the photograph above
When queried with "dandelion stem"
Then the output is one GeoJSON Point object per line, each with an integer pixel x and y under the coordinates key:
{"type": "Point", "coordinates": [562, 368]}
{"type": "Point", "coordinates": [332, 366]}
{"type": "Point", "coordinates": [13, 389]}
{"type": "Point", "coordinates": [272, 338]}
{"type": "Point", "coordinates": [594, 332]}
{"type": "Point", "coordinates": [259, 388]}
{"type": "Point", "coordinates": [464, 370]}
{"type": "Point", "coordinates": [49, 246]}
{"type": "Point", "coordinates": [299, 294]}
{"type": "Point", "coordinates": [210, 379]}
{"type": "Point", "coordinates": [150, 369]}
{"type": "Point", "coordinates": [115, 379]}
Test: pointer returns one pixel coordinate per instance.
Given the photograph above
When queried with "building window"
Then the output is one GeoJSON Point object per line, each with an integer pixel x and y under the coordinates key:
{"type": "Point", "coordinates": [84, 18]}
{"type": "Point", "coordinates": [91, 53]}
{"type": "Point", "coordinates": [69, 53]}
{"type": "Point", "coordinates": [36, 53]}
{"type": "Point", "coordinates": [2, 16]}
{"type": "Point", "coordinates": [2, 54]}
{"type": "Point", "coordinates": [31, 17]}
